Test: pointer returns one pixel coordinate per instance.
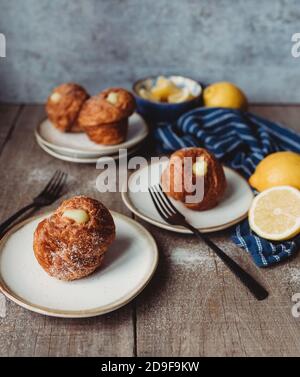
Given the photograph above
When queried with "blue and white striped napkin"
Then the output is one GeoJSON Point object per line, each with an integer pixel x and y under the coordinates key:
{"type": "Point", "coordinates": [240, 140]}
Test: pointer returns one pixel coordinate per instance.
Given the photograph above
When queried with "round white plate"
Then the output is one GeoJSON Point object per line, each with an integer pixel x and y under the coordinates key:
{"type": "Point", "coordinates": [233, 207]}
{"type": "Point", "coordinates": [127, 268]}
{"type": "Point", "coordinates": [82, 160]}
{"type": "Point", "coordinates": [80, 144]}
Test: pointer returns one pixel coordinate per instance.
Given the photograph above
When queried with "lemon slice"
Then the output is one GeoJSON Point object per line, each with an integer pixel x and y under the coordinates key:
{"type": "Point", "coordinates": [146, 94]}
{"type": "Point", "coordinates": [180, 96]}
{"type": "Point", "coordinates": [163, 89]}
{"type": "Point", "coordinates": [275, 213]}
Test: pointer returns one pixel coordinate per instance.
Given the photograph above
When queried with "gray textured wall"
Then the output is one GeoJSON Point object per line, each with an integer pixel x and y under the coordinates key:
{"type": "Point", "coordinates": [101, 43]}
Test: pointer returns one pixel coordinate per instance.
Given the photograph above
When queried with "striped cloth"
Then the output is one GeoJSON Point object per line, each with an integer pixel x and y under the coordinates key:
{"type": "Point", "coordinates": [240, 140]}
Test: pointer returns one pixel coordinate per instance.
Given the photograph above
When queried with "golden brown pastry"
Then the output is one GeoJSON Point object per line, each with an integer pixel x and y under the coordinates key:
{"type": "Point", "coordinates": [104, 117]}
{"type": "Point", "coordinates": [64, 104]}
{"type": "Point", "coordinates": [71, 243]}
{"type": "Point", "coordinates": [181, 178]}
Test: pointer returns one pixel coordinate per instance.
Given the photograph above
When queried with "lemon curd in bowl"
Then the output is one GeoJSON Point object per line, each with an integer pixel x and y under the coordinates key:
{"type": "Point", "coordinates": [165, 98]}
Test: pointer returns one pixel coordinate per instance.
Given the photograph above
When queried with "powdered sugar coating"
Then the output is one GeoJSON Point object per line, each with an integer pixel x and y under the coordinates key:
{"type": "Point", "coordinates": [68, 250]}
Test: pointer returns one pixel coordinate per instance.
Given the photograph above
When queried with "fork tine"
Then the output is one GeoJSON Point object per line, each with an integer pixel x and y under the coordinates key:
{"type": "Point", "coordinates": [161, 202]}
{"type": "Point", "coordinates": [50, 182]}
{"type": "Point", "coordinates": [62, 185]}
{"type": "Point", "coordinates": [166, 200]}
{"type": "Point", "coordinates": [54, 184]}
{"type": "Point", "coordinates": [56, 193]}
{"type": "Point", "coordinates": [156, 204]}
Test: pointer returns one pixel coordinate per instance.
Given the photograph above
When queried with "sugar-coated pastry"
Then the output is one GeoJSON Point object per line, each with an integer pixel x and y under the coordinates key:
{"type": "Point", "coordinates": [104, 117]}
{"type": "Point", "coordinates": [71, 243]}
{"type": "Point", "coordinates": [192, 168]}
{"type": "Point", "coordinates": [64, 104]}
{"type": "Point", "coordinates": [121, 99]}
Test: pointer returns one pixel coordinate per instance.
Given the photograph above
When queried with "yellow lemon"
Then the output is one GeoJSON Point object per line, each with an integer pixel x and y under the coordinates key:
{"type": "Point", "coordinates": [224, 94]}
{"type": "Point", "coordinates": [275, 213]}
{"type": "Point", "coordinates": [180, 96]}
{"type": "Point", "coordinates": [277, 169]}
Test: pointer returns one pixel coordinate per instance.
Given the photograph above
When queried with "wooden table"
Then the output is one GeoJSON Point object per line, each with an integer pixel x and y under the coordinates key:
{"type": "Point", "coordinates": [193, 306]}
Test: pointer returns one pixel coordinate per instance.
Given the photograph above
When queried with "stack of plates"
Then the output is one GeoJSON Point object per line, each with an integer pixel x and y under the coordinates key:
{"type": "Point", "coordinates": [77, 147]}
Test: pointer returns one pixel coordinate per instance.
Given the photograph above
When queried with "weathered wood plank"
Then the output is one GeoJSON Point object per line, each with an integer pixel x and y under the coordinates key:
{"type": "Point", "coordinates": [195, 307]}
{"type": "Point", "coordinates": [25, 170]}
{"type": "Point", "coordinates": [287, 115]}
{"type": "Point", "coordinates": [8, 117]}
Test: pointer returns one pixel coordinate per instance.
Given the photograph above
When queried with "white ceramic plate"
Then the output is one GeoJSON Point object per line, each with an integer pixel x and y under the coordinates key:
{"type": "Point", "coordinates": [81, 145]}
{"type": "Point", "coordinates": [82, 160]}
{"type": "Point", "coordinates": [233, 207]}
{"type": "Point", "coordinates": [127, 268]}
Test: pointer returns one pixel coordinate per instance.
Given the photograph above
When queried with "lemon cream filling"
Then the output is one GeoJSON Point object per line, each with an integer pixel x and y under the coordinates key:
{"type": "Point", "coordinates": [112, 98]}
{"type": "Point", "coordinates": [55, 97]}
{"type": "Point", "coordinates": [200, 167]}
{"type": "Point", "coordinates": [80, 216]}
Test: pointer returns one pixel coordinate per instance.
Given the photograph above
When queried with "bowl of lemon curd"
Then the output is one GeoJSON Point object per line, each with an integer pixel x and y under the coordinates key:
{"type": "Point", "coordinates": [165, 98]}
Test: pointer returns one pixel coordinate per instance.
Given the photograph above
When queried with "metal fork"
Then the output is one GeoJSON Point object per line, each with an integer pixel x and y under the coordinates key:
{"type": "Point", "coordinates": [49, 195]}
{"type": "Point", "coordinates": [172, 216]}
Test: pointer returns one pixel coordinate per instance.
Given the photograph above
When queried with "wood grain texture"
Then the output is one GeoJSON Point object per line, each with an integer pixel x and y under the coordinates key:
{"type": "Point", "coordinates": [26, 169]}
{"type": "Point", "coordinates": [286, 115]}
{"type": "Point", "coordinates": [8, 117]}
{"type": "Point", "coordinates": [193, 306]}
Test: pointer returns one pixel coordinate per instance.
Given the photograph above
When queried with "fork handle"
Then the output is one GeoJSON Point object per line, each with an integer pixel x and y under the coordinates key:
{"type": "Point", "coordinates": [254, 287]}
{"type": "Point", "coordinates": [14, 217]}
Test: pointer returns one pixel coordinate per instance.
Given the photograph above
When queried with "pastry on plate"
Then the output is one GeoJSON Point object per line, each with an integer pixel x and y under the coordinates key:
{"type": "Point", "coordinates": [72, 242]}
{"type": "Point", "coordinates": [104, 117]}
{"type": "Point", "coordinates": [195, 178]}
{"type": "Point", "coordinates": [64, 104]}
